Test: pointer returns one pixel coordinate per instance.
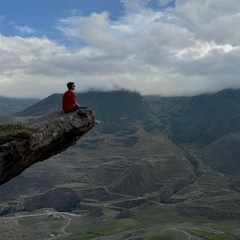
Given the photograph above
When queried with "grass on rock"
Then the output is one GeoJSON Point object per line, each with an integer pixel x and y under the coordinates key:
{"type": "Point", "coordinates": [10, 132]}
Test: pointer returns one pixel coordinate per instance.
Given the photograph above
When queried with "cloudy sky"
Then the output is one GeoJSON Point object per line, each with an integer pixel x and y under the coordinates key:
{"type": "Point", "coordinates": [164, 47]}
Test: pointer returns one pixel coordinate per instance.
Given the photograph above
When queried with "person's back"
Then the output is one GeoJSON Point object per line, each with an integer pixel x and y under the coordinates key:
{"type": "Point", "coordinates": [69, 101]}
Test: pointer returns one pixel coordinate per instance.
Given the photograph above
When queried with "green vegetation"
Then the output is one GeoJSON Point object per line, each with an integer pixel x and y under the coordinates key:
{"type": "Point", "coordinates": [81, 236]}
{"type": "Point", "coordinates": [107, 228]}
{"type": "Point", "coordinates": [214, 236]}
{"type": "Point", "coordinates": [9, 132]}
{"type": "Point", "coordinates": [115, 226]}
{"type": "Point", "coordinates": [228, 226]}
{"type": "Point", "coordinates": [56, 223]}
{"type": "Point", "coordinates": [162, 237]}
{"type": "Point", "coordinates": [152, 213]}
{"type": "Point", "coordinates": [28, 221]}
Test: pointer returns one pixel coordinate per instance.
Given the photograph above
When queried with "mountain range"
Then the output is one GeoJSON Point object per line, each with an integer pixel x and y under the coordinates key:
{"type": "Point", "coordinates": [205, 121]}
{"type": "Point", "coordinates": [151, 158]}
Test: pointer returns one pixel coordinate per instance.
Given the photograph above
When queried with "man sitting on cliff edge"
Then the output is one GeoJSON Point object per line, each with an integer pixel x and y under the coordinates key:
{"type": "Point", "coordinates": [69, 101]}
{"type": "Point", "coordinates": [70, 104]}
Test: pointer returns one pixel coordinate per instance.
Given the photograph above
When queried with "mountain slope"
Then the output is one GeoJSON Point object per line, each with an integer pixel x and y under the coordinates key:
{"type": "Point", "coordinates": [12, 105]}
{"type": "Point", "coordinates": [48, 105]}
{"type": "Point", "coordinates": [201, 119]}
{"type": "Point", "coordinates": [209, 122]}
{"type": "Point", "coordinates": [224, 153]}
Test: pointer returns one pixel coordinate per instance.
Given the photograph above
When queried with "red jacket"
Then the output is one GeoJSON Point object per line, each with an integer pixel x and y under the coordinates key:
{"type": "Point", "coordinates": [68, 101]}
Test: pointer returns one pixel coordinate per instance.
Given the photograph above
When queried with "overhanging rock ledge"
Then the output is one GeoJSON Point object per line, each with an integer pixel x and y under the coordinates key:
{"type": "Point", "coordinates": [49, 136]}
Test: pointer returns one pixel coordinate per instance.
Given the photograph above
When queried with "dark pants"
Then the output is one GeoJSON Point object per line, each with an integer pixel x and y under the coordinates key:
{"type": "Point", "coordinates": [78, 107]}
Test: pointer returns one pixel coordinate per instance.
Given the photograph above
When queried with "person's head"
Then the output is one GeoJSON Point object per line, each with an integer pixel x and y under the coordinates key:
{"type": "Point", "coordinates": [71, 85]}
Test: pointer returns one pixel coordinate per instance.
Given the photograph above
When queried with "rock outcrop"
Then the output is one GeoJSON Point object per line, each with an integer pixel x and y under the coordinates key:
{"type": "Point", "coordinates": [46, 136]}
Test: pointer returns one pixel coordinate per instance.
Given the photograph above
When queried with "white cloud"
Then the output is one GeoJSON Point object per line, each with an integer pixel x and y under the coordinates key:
{"type": "Point", "coordinates": [25, 29]}
{"type": "Point", "coordinates": [186, 50]}
{"type": "Point", "coordinates": [212, 20]}
{"type": "Point", "coordinates": [134, 6]}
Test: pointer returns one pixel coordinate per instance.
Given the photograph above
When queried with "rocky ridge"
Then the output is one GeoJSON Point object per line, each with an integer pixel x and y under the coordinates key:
{"type": "Point", "coordinates": [47, 136]}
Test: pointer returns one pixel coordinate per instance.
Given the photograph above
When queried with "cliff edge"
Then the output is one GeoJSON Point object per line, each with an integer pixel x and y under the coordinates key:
{"type": "Point", "coordinates": [23, 145]}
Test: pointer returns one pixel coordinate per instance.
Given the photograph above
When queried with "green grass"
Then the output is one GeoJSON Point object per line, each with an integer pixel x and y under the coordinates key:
{"type": "Point", "coordinates": [56, 223]}
{"type": "Point", "coordinates": [9, 132]}
{"type": "Point", "coordinates": [81, 236]}
{"type": "Point", "coordinates": [115, 226]}
{"type": "Point", "coordinates": [28, 221]}
{"type": "Point", "coordinates": [214, 236]}
{"type": "Point", "coordinates": [151, 213]}
{"type": "Point", "coordinates": [107, 228]}
{"type": "Point", "coordinates": [228, 226]}
{"type": "Point", "coordinates": [162, 237]}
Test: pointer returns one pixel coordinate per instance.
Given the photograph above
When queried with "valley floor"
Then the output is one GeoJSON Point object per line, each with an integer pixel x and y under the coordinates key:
{"type": "Point", "coordinates": [49, 224]}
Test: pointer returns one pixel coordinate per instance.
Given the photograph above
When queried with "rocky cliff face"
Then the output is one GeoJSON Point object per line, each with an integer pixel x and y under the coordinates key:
{"type": "Point", "coordinates": [43, 138]}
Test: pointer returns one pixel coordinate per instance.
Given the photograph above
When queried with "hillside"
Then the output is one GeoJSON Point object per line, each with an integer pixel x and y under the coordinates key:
{"type": "Point", "coordinates": [12, 105]}
{"type": "Point", "coordinates": [200, 119]}
{"type": "Point", "coordinates": [163, 162]}
{"type": "Point", "coordinates": [203, 121]}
